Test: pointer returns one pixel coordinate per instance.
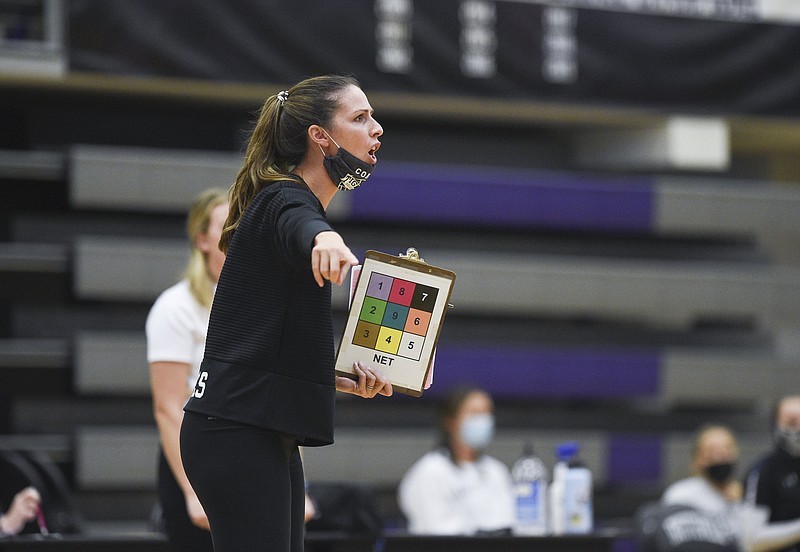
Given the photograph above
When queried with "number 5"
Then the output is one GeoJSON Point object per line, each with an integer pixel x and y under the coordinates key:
{"type": "Point", "coordinates": [200, 386]}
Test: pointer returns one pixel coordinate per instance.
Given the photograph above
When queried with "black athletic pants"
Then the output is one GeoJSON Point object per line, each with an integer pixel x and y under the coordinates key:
{"type": "Point", "coordinates": [183, 535]}
{"type": "Point", "coordinates": [249, 481]}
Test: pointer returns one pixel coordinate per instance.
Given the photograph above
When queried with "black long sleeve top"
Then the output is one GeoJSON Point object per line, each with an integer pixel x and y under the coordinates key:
{"type": "Point", "coordinates": [269, 356]}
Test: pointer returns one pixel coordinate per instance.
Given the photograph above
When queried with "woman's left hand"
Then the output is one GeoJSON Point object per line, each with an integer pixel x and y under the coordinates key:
{"type": "Point", "coordinates": [370, 383]}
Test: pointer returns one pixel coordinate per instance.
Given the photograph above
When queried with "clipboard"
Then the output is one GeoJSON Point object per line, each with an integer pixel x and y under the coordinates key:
{"type": "Point", "coordinates": [395, 318]}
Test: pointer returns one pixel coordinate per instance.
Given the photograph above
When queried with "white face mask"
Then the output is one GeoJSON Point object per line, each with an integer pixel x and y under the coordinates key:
{"type": "Point", "coordinates": [477, 430]}
{"type": "Point", "coordinates": [788, 440]}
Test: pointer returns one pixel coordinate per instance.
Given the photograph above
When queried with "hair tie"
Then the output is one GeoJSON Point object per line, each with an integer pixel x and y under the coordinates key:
{"type": "Point", "coordinates": [283, 96]}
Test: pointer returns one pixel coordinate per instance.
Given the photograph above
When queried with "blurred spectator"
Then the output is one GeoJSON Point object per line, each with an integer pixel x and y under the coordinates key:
{"type": "Point", "coordinates": [37, 496]}
{"type": "Point", "coordinates": [713, 487]}
{"type": "Point", "coordinates": [176, 336]}
{"type": "Point", "coordinates": [24, 508]}
{"type": "Point", "coordinates": [457, 489]}
{"type": "Point", "coordinates": [705, 512]}
{"type": "Point", "coordinates": [774, 481]}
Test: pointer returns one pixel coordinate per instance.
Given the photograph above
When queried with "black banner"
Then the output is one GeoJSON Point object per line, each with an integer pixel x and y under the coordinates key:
{"type": "Point", "coordinates": [699, 56]}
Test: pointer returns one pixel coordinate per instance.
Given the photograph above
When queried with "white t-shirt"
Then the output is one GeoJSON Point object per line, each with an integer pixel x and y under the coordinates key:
{"type": "Point", "coordinates": [439, 497]}
{"type": "Point", "coordinates": [176, 329]}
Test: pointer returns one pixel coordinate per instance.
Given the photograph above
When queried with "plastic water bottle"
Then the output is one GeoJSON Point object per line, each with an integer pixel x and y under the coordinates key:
{"type": "Point", "coordinates": [529, 475]}
{"type": "Point", "coordinates": [557, 517]}
{"type": "Point", "coordinates": [571, 493]}
{"type": "Point", "coordinates": [578, 497]}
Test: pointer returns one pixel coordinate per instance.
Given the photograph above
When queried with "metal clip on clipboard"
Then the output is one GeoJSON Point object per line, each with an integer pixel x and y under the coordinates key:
{"type": "Point", "coordinates": [412, 255]}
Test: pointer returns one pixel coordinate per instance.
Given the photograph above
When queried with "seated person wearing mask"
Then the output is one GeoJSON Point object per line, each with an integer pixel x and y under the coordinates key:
{"type": "Point", "coordinates": [774, 482]}
{"type": "Point", "coordinates": [713, 491]}
{"type": "Point", "coordinates": [712, 488]}
{"type": "Point", "coordinates": [457, 489]}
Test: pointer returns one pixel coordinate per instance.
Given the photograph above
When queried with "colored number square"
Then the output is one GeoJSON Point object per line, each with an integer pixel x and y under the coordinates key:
{"type": "Point", "coordinates": [379, 286]}
{"type": "Point", "coordinates": [402, 292]}
{"type": "Point", "coordinates": [372, 310]}
{"type": "Point", "coordinates": [424, 298]}
{"type": "Point", "coordinates": [411, 346]}
{"type": "Point", "coordinates": [366, 334]}
{"type": "Point", "coordinates": [417, 322]}
{"type": "Point", "coordinates": [395, 316]}
{"type": "Point", "coordinates": [388, 340]}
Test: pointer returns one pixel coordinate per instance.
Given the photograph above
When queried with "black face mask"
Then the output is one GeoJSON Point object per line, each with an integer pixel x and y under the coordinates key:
{"type": "Point", "coordinates": [788, 440]}
{"type": "Point", "coordinates": [345, 169]}
{"type": "Point", "coordinates": [719, 473]}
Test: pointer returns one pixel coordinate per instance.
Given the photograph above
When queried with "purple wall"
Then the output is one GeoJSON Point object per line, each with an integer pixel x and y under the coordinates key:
{"type": "Point", "coordinates": [410, 193]}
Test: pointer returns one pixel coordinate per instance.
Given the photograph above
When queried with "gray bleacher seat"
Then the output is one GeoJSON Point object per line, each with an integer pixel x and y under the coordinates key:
{"type": "Point", "coordinates": [34, 353]}
{"type": "Point", "coordinates": [714, 206]}
{"type": "Point", "coordinates": [111, 363]}
{"type": "Point", "coordinates": [33, 257]}
{"type": "Point", "coordinates": [145, 179]}
{"type": "Point", "coordinates": [32, 165]}
{"type": "Point", "coordinates": [725, 378]}
{"type": "Point", "coordinates": [659, 292]}
{"type": "Point", "coordinates": [126, 269]}
{"type": "Point", "coordinates": [652, 291]}
{"type": "Point", "coordinates": [116, 457]}
{"type": "Point", "coordinates": [152, 179]}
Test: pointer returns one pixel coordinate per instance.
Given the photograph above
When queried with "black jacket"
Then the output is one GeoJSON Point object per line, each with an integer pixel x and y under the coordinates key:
{"type": "Point", "coordinates": [269, 357]}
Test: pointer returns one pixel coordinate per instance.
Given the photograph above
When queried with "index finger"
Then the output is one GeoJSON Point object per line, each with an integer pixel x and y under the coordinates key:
{"type": "Point", "coordinates": [316, 262]}
{"type": "Point", "coordinates": [346, 268]}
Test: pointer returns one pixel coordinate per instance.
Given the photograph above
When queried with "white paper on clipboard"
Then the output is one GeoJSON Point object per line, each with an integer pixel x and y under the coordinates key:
{"type": "Point", "coordinates": [355, 272]}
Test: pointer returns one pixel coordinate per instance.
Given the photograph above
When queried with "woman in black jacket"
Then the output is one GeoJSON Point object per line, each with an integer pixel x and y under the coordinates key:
{"type": "Point", "coordinates": [267, 382]}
